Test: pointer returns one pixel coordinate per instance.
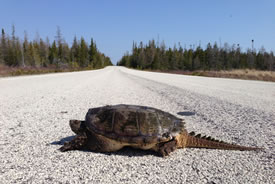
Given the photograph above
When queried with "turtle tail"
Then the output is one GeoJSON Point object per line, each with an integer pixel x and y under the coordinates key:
{"type": "Point", "coordinates": [196, 141]}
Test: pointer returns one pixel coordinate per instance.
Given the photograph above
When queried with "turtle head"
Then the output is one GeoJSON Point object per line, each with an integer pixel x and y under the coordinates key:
{"type": "Point", "coordinates": [77, 126]}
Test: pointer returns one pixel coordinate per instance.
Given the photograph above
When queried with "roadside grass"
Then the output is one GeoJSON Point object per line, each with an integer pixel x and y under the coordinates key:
{"type": "Point", "coordinates": [243, 74]}
{"type": "Point", "coordinates": [246, 74]}
{"type": "Point", "coordinates": [6, 71]}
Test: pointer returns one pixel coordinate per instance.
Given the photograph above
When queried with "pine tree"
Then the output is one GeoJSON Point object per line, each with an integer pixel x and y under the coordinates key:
{"type": "Point", "coordinates": [40, 53]}
{"type": "Point", "coordinates": [107, 61]}
{"type": "Point", "coordinates": [153, 56]}
{"type": "Point", "coordinates": [3, 47]}
{"type": "Point", "coordinates": [199, 63]}
{"type": "Point", "coordinates": [43, 53]}
{"type": "Point", "coordinates": [92, 52]}
{"type": "Point", "coordinates": [59, 40]}
{"type": "Point", "coordinates": [12, 54]}
{"type": "Point", "coordinates": [209, 57]}
{"type": "Point", "coordinates": [74, 53]}
{"type": "Point", "coordinates": [66, 54]}
{"type": "Point", "coordinates": [250, 59]}
{"type": "Point", "coordinates": [83, 53]}
{"type": "Point", "coordinates": [53, 54]}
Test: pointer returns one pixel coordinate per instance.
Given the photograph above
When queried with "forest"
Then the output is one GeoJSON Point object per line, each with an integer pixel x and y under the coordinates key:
{"type": "Point", "coordinates": [58, 55]}
{"type": "Point", "coordinates": [156, 56]}
{"type": "Point", "coordinates": [41, 53]}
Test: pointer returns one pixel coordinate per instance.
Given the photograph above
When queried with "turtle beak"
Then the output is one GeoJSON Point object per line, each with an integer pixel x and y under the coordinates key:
{"type": "Point", "coordinates": [76, 126]}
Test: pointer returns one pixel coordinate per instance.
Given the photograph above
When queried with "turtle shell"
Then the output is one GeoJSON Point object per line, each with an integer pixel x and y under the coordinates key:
{"type": "Point", "coordinates": [133, 124]}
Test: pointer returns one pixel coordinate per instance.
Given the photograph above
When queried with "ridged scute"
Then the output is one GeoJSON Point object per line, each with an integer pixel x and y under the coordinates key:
{"type": "Point", "coordinates": [133, 124]}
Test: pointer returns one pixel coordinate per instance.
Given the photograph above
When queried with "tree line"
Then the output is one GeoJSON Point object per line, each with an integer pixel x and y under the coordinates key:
{"type": "Point", "coordinates": [156, 56]}
{"type": "Point", "coordinates": [15, 52]}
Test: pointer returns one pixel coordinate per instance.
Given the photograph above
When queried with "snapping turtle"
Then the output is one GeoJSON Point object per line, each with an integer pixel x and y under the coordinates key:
{"type": "Point", "coordinates": [109, 128]}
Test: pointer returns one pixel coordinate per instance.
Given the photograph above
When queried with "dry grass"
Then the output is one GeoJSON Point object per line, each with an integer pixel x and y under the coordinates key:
{"type": "Point", "coordinates": [246, 74]}
{"type": "Point", "coordinates": [6, 71]}
{"type": "Point", "coordinates": [236, 74]}
{"type": "Point", "coordinates": [243, 74]}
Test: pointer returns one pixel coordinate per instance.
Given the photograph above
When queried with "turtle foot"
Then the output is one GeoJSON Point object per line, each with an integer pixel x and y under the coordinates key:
{"type": "Point", "coordinates": [168, 147]}
{"type": "Point", "coordinates": [77, 143]}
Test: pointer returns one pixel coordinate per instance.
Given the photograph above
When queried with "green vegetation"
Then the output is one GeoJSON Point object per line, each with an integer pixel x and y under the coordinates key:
{"type": "Point", "coordinates": [156, 57]}
{"type": "Point", "coordinates": [42, 56]}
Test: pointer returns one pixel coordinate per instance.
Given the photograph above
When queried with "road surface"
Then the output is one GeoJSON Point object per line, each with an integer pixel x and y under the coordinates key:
{"type": "Point", "coordinates": [35, 111]}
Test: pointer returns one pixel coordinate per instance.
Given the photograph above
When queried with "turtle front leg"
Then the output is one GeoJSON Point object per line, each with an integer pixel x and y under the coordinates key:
{"type": "Point", "coordinates": [77, 143]}
{"type": "Point", "coordinates": [166, 148]}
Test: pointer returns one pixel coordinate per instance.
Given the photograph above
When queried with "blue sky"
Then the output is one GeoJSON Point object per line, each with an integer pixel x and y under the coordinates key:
{"type": "Point", "coordinates": [115, 24]}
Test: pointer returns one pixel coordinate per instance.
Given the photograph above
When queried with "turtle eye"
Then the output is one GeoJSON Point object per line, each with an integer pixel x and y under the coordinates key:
{"type": "Point", "coordinates": [167, 135]}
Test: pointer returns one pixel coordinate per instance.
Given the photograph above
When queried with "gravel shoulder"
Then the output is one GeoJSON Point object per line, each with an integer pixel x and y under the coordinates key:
{"type": "Point", "coordinates": [35, 111]}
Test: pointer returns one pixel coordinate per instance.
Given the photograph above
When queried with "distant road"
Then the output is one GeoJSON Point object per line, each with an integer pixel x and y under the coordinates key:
{"type": "Point", "coordinates": [35, 111]}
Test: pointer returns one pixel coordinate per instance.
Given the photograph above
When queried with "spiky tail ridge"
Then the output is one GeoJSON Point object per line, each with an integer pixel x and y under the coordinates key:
{"type": "Point", "coordinates": [196, 141]}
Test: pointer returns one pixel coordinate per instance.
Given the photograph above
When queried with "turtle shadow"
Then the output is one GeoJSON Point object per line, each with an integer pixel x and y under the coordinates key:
{"type": "Point", "coordinates": [63, 140]}
{"type": "Point", "coordinates": [127, 151]}
{"type": "Point", "coordinates": [186, 113]}
{"type": "Point", "coordinates": [132, 152]}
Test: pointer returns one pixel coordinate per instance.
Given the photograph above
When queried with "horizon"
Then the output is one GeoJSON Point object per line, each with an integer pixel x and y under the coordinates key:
{"type": "Point", "coordinates": [115, 25]}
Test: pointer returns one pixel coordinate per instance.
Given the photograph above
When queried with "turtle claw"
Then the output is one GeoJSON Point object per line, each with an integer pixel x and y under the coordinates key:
{"type": "Point", "coordinates": [77, 143]}
{"type": "Point", "coordinates": [65, 147]}
{"type": "Point", "coordinates": [167, 148]}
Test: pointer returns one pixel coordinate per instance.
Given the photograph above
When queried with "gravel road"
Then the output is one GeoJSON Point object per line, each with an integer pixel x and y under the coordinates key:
{"type": "Point", "coordinates": [35, 112]}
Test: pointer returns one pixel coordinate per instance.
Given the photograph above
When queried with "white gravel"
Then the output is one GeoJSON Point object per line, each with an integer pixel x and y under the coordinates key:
{"type": "Point", "coordinates": [35, 111]}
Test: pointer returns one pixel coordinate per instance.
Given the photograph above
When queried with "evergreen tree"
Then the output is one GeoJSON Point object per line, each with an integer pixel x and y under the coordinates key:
{"type": "Point", "coordinates": [156, 57]}
{"type": "Point", "coordinates": [199, 61]}
{"type": "Point", "coordinates": [40, 53]}
{"type": "Point", "coordinates": [74, 53]}
{"type": "Point", "coordinates": [59, 41]}
{"type": "Point", "coordinates": [92, 52]}
{"type": "Point", "coordinates": [271, 62]}
{"type": "Point", "coordinates": [3, 47]}
{"type": "Point", "coordinates": [250, 59]}
{"type": "Point", "coordinates": [66, 54]}
{"type": "Point", "coordinates": [43, 53]}
{"type": "Point", "coordinates": [12, 54]}
{"type": "Point", "coordinates": [53, 54]}
{"type": "Point", "coordinates": [83, 53]}
{"type": "Point", "coordinates": [26, 51]}
{"type": "Point", "coordinates": [18, 53]}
